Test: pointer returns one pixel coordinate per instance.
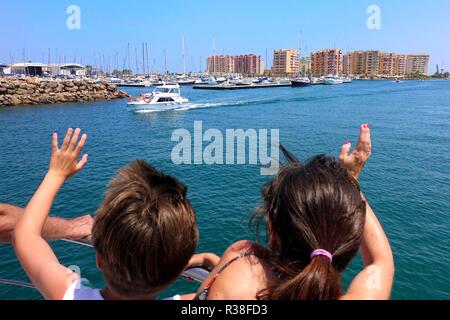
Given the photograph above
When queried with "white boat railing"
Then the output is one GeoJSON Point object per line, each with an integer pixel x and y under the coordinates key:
{"type": "Point", "coordinates": [194, 274]}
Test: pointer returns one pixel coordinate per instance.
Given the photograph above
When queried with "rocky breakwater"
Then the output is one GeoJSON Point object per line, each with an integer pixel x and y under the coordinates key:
{"type": "Point", "coordinates": [33, 91]}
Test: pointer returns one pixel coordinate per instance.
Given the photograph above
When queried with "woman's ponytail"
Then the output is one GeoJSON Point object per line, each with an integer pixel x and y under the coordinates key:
{"type": "Point", "coordinates": [317, 281]}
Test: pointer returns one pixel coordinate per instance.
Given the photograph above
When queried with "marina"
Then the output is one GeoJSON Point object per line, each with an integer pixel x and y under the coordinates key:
{"type": "Point", "coordinates": [240, 86]}
{"type": "Point", "coordinates": [387, 181]}
{"type": "Point", "coordinates": [241, 151]}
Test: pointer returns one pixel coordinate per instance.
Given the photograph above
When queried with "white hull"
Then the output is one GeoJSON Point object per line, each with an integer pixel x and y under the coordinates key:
{"type": "Point", "coordinates": [138, 106]}
{"type": "Point", "coordinates": [333, 81]}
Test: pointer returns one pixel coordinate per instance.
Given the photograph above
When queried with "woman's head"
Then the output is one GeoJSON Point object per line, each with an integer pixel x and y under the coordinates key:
{"type": "Point", "coordinates": [145, 231]}
{"type": "Point", "coordinates": [309, 207]}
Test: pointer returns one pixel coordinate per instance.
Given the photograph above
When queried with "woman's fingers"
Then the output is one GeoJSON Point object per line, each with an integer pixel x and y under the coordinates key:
{"type": "Point", "coordinates": [67, 139]}
{"type": "Point", "coordinates": [364, 146]}
{"type": "Point", "coordinates": [81, 144]}
{"type": "Point", "coordinates": [74, 140]}
{"type": "Point", "coordinates": [345, 151]}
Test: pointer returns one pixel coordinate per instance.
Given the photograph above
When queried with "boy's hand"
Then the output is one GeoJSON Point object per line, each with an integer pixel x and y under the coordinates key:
{"type": "Point", "coordinates": [208, 260]}
{"type": "Point", "coordinates": [64, 162]}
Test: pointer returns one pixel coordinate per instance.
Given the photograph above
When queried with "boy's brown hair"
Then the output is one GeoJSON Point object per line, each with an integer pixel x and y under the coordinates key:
{"type": "Point", "coordinates": [145, 230]}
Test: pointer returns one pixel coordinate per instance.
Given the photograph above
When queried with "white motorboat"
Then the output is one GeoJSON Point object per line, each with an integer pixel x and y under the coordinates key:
{"type": "Point", "coordinates": [301, 82]}
{"type": "Point", "coordinates": [221, 79]}
{"type": "Point", "coordinates": [347, 80]}
{"type": "Point", "coordinates": [163, 98]}
{"type": "Point", "coordinates": [333, 80]}
{"type": "Point", "coordinates": [200, 81]}
{"type": "Point", "coordinates": [317, 81]}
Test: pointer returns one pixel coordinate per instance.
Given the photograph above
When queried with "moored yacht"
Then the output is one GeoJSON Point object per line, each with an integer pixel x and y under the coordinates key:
{"type": "Point", "coordinates": [347, 79]}
{"type": "Point", "coordinates": [317, 81]}
{"type": "Point", "coordinates": [333, 80]}
{"type": "Point", "coordinates": [301, 82]}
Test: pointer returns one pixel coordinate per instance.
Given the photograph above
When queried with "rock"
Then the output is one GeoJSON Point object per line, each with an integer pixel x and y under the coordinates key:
{"type": "Point", "coordinates": [32, 80]}
{"type": "Point", "coordinates": [52, 84]}
{"type": "Point", "coordinates": [15, 101]}
{"type": "Point", "coordinates": [21, 91]}
{"type": "Point", "coordinates": [72, 89]}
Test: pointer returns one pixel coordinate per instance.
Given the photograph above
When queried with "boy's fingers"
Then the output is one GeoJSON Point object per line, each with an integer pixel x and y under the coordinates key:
{"type": "Point", "coordinates": [344, 151]}
{"type": "Point", "coordinates": [82, 162]}
{"type": "Point", "coordinates": [67, 139]}
{"type": "Point", "coordinates": [54, 142]}
{"type": "Point", "coordinates": [74, 140]}
{"type": "Point", "coordinates": [81, 144]}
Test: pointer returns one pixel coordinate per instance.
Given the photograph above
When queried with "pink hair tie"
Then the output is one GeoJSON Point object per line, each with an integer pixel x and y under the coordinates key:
{"type": "Point", "coordinates": [322, 252]}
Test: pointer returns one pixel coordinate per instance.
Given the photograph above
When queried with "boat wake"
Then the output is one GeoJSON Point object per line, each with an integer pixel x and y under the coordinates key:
{"type": "Point", "coordinates": [192, 106]}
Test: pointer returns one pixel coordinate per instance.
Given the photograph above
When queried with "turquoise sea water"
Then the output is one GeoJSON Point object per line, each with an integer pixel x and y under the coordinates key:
{"type": "Point", "coordinates": [407, 179]}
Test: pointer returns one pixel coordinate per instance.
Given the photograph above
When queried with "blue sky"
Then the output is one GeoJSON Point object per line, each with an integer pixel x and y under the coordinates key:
{"type": "Point", "coordinates": [408, 26]}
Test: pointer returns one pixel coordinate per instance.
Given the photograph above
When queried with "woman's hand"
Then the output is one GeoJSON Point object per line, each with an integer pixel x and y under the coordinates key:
{"type": "Point", "coordinates": [358, 158]}
{"type": "Point", "coordinates": [64, 161]}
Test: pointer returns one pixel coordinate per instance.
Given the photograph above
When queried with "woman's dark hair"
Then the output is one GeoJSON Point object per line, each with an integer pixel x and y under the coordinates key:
{"type": "Point", "coordinates": [309, 207]}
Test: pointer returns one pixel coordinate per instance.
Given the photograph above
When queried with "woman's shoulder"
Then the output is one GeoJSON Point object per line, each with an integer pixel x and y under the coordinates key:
{"type": "Point", "coordinates": [245, 248]}
{"type": "Point", "coordinates": [246, 272]}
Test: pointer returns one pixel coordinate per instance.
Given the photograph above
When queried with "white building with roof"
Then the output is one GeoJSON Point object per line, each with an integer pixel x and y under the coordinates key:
{"type": "Point", "coordinates": [5, 69]}
{"type": "Point", "coordinates": [67, 69]}
{"type": "Point", "coordinates": [29, 68]}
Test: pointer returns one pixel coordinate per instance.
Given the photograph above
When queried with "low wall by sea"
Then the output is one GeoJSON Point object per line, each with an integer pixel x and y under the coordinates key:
{"type": "Point", "coordinates": [33, 91]}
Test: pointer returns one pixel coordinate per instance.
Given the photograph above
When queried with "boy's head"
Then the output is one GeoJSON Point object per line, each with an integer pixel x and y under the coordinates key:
{"type": "Point", "coordinates": [145, 231]}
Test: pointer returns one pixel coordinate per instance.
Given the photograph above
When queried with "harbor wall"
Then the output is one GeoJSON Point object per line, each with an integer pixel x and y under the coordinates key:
{"type": "Point", "coordinates": [34, 91]}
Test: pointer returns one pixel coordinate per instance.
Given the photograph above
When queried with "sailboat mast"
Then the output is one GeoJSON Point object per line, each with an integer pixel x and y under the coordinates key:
{"type": "Point", "coordinates": [184, 53]}
{"type": "Point", "coordinates": [137, 60]}
{"type": "Point", "coordinates": [165, 61]}
{"type": "Point", "coordinates": [146, 56]}
{"type": "Point", "coordinates": [143, 58]}
{"type": "Point", "coordinates": [129, 56]}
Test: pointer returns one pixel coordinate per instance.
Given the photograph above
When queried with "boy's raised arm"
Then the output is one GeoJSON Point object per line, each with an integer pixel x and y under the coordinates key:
{"type": "Point", "coordinates": [37, 258]}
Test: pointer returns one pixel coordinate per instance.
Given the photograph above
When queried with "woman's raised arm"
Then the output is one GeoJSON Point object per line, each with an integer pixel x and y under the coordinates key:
{"type": "Point", "coordinates": [375, 281]}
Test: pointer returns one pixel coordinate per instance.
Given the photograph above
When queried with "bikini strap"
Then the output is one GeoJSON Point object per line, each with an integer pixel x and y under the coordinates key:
{"type": "Point", "coordinates": [204, 294]}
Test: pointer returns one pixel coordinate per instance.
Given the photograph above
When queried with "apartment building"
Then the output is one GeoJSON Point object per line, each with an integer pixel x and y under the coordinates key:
{"type": "Point", "coordinates": [372, 62]}
{"type": "Point", "coordinates": [250, 64]}
{"type": "Point", "coordinates": [400, 64]}
{"type": "Point", "coordinates": [375, 63]}
{"type": "Point", "coordinates": [286, 62]}
{"type": "Point", "coordinates": [387, 64]}
{"type": "Point", "coordinates": [326, 62]}
{"type": "Point", "coordinates": [417, 63]}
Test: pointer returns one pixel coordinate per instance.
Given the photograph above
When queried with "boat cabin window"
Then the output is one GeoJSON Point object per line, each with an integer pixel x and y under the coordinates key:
{"type": "Point", "coordinates": [166, 90]}
{"type": "Point", "coordinates": [165, 100]}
